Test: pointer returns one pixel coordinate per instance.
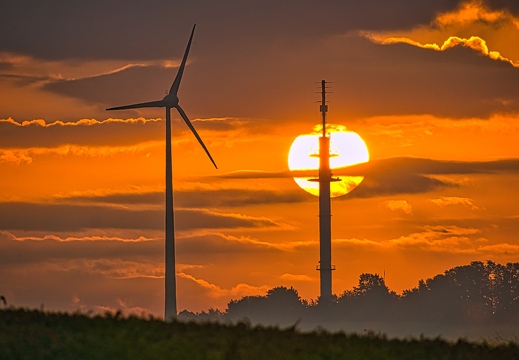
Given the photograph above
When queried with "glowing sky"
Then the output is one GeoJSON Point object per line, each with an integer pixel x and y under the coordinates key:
{"type": "Point", "coordinates": [430, 85]}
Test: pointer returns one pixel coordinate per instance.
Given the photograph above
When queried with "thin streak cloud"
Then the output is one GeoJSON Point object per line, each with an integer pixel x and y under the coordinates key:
{"type": "Point", "coordinates": [474, 42]}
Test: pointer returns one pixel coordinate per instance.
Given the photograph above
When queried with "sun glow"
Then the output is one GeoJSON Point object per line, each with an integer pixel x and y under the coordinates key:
{"type": "Point", "coordinates": [346, 148]}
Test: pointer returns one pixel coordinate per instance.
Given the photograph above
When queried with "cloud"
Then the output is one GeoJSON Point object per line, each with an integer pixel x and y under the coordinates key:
{"type": "Point", "coordinates": [388, 184]}
{"type": "Point", "coordinates": [501, 249]}
{"type": "Point", "coordinates": [293, 277]}
{"type": "Point", "coordinates": [215, 291]}
{"type": "Point", "coordinates": [199, 196]}
{"type": "Point", "coordinates": [232, 42]}
{"type": "Point", "coordinates": [442, 230]}
{"type": "Point", "coordinates": [193, 289]}
{"type": "Point", "coordinates": [228, 23]}
{"type": "Point", "coordinates": [446, 239]}
{"type": "Point", "coordinates": [422, 166]}
{"type": "Point", "coordinates": [29, 70]}
{"type": "Point", "coordinates": [214, 244]}
{"type": "Point", "coordinates": [236, 197]}
{"type": "Point", "coordinates": [22, 141]}
{"type": "Point", "coordinates": [232, 197]}
{"type": "Point", "coordinates": [194, 219]}
{"type": "Point", "coordinates": [31, 216]}
{"type": "Point", "coordinates": [16, 157]}
{"type": "Point", "coordinates": [471, 11]}
{"type": "Point", "coordinates": [110, 268]}
{"type": "Point", "coordinates": [39, 134]}
{"type": "Point", "coordinates": [128, 85]}
{"type": "Point", "coordinates": [66, 252]}
{"type": "Point", "coordinates": [258, 174]}
{"type": "Point", "coordinates": [27, 156]}
{"type": "Point", "coordinates": [398, 205]}
{"type": "Point", "coordinates": [394, 176]}
{"type": "Point", "coordinates": [67, 217]}
{"type": "Point", "coordinates": [454, 200]}
{"type": "Point", "coordinates": [394, 166]}
{"type": "Point", "coordinates": [466, 17]}
{"type": "Point", "coordinates": [464, 239]}
{"type": "Point", "coordinates": [474, 42]}
{"type": "Point", "coordinates": [123, 258]}
{"type": "Point", "coordinates": [131, 196]}
{"type": "Point", "coordinates": [453, 83]}
{"type": "Point", "coordinates": [75, 238]}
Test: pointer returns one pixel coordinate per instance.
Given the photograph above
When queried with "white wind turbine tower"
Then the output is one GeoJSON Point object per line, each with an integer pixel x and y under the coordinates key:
{"type": "Point", "coordinates": [168, 102]}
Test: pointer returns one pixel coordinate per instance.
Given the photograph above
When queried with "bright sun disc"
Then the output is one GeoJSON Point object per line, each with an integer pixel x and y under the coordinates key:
{"type": "Point", "coordinates": [346, 148]}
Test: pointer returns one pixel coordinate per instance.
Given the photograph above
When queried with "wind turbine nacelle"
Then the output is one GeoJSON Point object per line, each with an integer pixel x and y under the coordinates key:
{"type": "Point", "coordinates": [170, 100]}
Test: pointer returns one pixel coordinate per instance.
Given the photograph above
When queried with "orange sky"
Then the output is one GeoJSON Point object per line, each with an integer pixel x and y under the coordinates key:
{"type": "Point", "coordinates": [431, 88]}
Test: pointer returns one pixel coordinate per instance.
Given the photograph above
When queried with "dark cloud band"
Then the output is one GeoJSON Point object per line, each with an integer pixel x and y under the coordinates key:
{"type": "Point", "coordinates": [67, 217]}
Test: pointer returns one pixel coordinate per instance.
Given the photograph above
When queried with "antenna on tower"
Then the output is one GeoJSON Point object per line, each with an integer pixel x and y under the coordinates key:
{"type": "Point", "coordinates": [323, 108]}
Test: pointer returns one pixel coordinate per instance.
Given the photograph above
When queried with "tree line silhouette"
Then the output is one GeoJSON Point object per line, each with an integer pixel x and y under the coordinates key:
{"type": "Point", "coordinates": [476, 296]}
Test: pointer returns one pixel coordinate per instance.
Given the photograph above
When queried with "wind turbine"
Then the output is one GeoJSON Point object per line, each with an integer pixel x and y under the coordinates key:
{"type": "Point", "coordinates": [168, 102]}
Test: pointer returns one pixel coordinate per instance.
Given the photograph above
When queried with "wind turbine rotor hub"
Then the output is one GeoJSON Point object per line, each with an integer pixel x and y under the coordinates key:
{"type": "Point", "coordinates": [170, 100]}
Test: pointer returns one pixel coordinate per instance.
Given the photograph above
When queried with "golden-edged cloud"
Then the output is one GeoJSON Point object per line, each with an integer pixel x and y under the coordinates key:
{"type": "Point", "coordinates": [81, 122]}
{"type": "Point", "coordinates": [472, 24]}
{"type": "Point", "coordinates": [474, 42]}
{"type": "Point", "coordinates": [74, 238]}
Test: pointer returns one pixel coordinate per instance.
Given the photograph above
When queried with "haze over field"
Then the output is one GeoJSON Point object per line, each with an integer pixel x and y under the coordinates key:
{"type": "Point", "coordinates": [431, 86]}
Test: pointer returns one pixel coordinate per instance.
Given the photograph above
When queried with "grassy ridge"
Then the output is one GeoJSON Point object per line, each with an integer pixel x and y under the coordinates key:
{"type": "Point", "coordinates": [35, 335]}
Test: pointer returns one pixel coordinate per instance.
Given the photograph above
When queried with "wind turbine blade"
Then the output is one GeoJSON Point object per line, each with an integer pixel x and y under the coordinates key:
{"type": "Point", "coordinates": [188, 123]}
{"type": "Point", "coordinates": [176, 82]}
{"type": "Point", "coordinates": [158, 103]}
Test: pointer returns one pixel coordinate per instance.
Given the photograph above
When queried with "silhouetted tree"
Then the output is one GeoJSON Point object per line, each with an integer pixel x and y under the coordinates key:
{"type": "Point", "coordinates": [466, 293]}
{"type": "Point", "coordinates": [478, 294]}
{"type": "Point", "coordinates": [503, 292]}
{"type": "Point", "coordinates": [370, 299]}
{"type": "Point", "coordinates": [282, 306]}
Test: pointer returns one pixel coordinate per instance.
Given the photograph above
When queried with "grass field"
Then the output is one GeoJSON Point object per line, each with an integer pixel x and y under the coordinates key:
{"type": "Point", "coordinates": [30, 334]}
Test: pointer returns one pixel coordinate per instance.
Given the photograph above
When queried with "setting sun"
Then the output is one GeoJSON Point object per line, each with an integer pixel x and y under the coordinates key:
{"type": "Point", "coordinates": [346, 148]}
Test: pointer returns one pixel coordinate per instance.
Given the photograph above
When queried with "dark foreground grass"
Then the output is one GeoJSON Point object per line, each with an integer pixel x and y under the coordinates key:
{"type": "Point", "coordinates": [28, 334]}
